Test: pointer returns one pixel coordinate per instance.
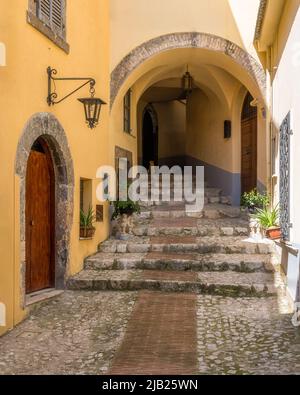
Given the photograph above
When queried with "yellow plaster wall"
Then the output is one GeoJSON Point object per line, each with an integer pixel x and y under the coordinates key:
{"type": "Point", "coordinates": [205, 141]}
{"type": "Point", "coordinates": [23, 91]}
{"type": "Point", "coordinates": [134, 21]}
{"type": "Point", "coordinates": [171, 129]}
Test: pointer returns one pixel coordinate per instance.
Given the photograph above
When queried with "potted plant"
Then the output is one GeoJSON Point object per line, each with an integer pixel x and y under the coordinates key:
{"type": "Point", "coordinates": [253, 200]}
{"type": "Point", "coordinates": [269, 221]}
{"type": "Point", "coordinates": [123, 211]}
{"type": "Point", "coordinates": [87, 230]}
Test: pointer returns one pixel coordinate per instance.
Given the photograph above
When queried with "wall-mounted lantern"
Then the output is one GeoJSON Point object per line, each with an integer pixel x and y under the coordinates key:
{"type": "Point", "coordinates": [92, 105]}
{"type": "Point", "coordinates": [187, 83]}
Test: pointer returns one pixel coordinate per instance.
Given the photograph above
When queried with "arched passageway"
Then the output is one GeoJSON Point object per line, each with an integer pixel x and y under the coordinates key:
{"type": "Point", "coordinates": [192, 132]}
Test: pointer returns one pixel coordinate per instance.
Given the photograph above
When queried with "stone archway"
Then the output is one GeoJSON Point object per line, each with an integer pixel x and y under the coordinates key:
{"type": "Point", "coordinates": [185, 40]}
{"type": "Point", "coordinates": [47, 127]}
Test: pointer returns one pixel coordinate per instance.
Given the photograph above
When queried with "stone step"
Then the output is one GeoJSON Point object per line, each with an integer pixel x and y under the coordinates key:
{"type": "Point", "coordinates": [183, 244]}
{"type": "Point", "coordinates": [180, 262]}
{"type": "Point", "coordinates": [176, 181]}
{"type": "Point", "coordinates": [210, 211]}
{"type": "Point", "coordinates": [158, 201]}
{"type": "Point", "coordinates": [191, 226]}
{"type": "Point", "coordinates": [223, 284]}
{"type": "Point", "coordinates": [209, 192]}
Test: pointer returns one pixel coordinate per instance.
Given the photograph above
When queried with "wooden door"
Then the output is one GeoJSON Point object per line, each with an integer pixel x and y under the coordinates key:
{"type": "Point", "coordinates": [39, 222]}
{"type": "Point", "coordinates": [249, 145]}
{"type": "Point", "coordinates": [249, 154]}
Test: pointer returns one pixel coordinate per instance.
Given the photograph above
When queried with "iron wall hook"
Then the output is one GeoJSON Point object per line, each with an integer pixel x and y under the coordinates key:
{"type": "Point", "coordinates": [52, 95]}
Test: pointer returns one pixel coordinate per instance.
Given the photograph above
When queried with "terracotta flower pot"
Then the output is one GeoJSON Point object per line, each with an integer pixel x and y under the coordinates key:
{"type": "Point", "coordinates": [87, 233]}
{"type": "Point", "coordinates": [273, 233]}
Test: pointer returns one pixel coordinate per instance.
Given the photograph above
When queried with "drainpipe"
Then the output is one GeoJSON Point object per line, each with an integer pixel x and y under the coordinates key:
{"type": "Point", "coordinates": [269, 133]}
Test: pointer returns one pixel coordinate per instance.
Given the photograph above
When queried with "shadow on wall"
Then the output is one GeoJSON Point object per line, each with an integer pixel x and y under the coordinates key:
{"type": "Point", "coordinates": [230, 183]}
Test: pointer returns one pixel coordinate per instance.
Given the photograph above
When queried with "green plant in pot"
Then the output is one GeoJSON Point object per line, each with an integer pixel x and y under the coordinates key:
{"type": "Point", "coordinates": [87, 219]}
{"type": "Point", "coordinates": [268, 219]}
{"type": "Point", "coordinates": [127, 207]}
{"type": "Point", "coordinates": [123, 211]}
{"type": "Point", "coordinates": [253, 200]}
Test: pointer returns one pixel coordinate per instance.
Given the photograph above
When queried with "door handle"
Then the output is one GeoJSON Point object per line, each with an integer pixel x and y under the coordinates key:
{"type": "Point", "coordinates": [31, 223]}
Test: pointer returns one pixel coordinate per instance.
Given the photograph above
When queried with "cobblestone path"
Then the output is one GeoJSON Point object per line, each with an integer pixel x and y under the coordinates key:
{"type": "Point", "coordinates": [77, 333]}
{"type": "Point", "coordinates": [126, 332]}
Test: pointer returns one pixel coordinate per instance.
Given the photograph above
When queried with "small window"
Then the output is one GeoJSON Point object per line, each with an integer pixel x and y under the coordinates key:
{"type": "Point", "coordinates": [127, 112]}
{"type": "Point", "coordinates": [49, 18]}
{"type": "Point", "coordinates": [86, 194]}
{"type": "Point", "coordinates": [52, 14]}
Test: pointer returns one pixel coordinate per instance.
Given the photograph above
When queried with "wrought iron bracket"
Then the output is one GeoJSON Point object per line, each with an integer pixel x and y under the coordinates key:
{"type": "Point", "coordinates": [52, 95]}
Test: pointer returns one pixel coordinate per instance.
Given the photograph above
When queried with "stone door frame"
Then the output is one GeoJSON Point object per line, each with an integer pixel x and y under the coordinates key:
{"type": "Point", "coordinates": [47, 127]}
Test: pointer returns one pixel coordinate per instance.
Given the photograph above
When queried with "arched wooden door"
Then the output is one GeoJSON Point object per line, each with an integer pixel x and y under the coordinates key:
{"type": "Point", "coordinates": [249, 146]}
{"type": "Point", "coordinates": [40, 248]}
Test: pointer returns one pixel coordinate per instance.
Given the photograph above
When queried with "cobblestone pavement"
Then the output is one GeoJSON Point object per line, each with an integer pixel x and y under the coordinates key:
{"type": "Point", "coordinates": [246, 336]}
{"type": "Point", "coordinates": [77, 333]}
{"type": "Point", "coordinates": [91, 333]}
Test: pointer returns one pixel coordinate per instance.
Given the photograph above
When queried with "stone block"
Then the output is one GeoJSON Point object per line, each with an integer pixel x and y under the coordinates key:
{"type": "Point", "coordinates": [138, 248]}
{"type": "Point", "coordinates": [108, 247]}
{"type": "Point", "coordinates": [211, 214]}
{"type": "Point", "coordinates": [227, 231]}
{"type": "Point", "coordinates": [242, 231]}
{"type": "Point", "coordinates": [122, 248]}
{"type": "Point", "coordinates": [140, 231]}
{"type": "Point", "coordinates": [214, 200]}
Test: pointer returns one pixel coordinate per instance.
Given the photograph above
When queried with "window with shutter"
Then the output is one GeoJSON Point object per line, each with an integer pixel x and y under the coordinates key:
{"type": "Point", "coordinates": [56, 13]}
{"type": "Point", "coordinates": [44, 11]}
{"type": "Point", "coordinates": [51, 12]}
{"type": "Point", "coordinates": [49, 17]}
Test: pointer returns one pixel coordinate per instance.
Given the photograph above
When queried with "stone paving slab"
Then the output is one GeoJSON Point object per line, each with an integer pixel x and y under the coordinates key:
{"type": "Point", "coordinates": [77, 333]}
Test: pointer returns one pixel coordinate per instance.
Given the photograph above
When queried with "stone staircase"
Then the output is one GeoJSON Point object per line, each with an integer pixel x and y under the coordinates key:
{"type": "Point", "coordinates": [175, 251]}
